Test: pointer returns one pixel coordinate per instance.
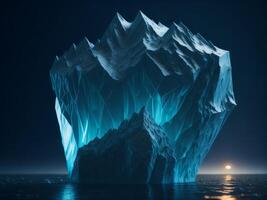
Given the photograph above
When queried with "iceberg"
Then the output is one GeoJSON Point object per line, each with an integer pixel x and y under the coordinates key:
{"type": "Point", "coordinates": [182, 80]}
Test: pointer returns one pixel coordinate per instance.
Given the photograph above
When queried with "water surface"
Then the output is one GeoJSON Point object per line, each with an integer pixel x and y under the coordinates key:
{"type": "Point", "coordinates": [220, 187]}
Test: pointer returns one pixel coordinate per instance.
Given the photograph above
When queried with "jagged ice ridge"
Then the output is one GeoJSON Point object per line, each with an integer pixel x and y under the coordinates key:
{"type": "Point", "coordinates": [138, 152]}
{"type": "Point", "coordinates": [183, 81]}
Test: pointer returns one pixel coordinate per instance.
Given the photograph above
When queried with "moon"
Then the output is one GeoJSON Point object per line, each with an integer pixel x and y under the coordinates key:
{"type": "Point", "coordinates": [228, 167]}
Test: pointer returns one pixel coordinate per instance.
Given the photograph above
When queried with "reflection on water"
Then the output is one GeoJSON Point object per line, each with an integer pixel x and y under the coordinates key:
{"type": "Point", "coordinates": [227, 188]}
{"type": "Point", "coordinates": [178, 191]}
{"type": "Point", "coordinates": [228, 178]}
{"type": "Point", "coordinates": [68, 192]}
{"type": "Point", "coordinates": [223, 197]}
{"type": "Point", "coordinates": [215, 187]}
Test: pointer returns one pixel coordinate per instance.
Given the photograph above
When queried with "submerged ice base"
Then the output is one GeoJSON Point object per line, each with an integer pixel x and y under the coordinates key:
{"type": "Point", "coordinates": [183, 81]}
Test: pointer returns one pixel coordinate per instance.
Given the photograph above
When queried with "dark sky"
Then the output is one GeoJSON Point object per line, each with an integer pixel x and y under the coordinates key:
{"type": "Point", "coordinates": [34, 32]}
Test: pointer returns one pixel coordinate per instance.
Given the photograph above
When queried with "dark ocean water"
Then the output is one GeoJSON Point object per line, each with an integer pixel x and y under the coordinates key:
{"type": "Point", "coordinates": [223, 187]}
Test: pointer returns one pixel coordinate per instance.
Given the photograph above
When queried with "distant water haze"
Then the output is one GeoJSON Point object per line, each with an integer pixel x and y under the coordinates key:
{"type": "Point", "coordinates": [208, 167]}
{"type": "Point", "coordinates": [235, 169]}
{"type": "Point", "coordinates": [205, 169]}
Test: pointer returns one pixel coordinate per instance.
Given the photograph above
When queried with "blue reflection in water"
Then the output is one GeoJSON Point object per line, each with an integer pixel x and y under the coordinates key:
{"type": "Point", "coordinates": [207, 187]}
{"type": "Point", "coordinates": [72, 191]}
{"type": "Point", "coordinates": [68, 192]}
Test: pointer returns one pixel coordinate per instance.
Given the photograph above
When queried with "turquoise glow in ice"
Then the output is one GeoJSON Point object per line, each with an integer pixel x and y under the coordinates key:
{"type": "Point", "coordinates": [68, 141]}
{"type": "Point", "coordinates": [184, 82]}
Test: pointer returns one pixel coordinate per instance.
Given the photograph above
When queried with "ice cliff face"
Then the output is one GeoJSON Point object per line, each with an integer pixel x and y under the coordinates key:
{"type": "Point", "coordinates": [137, 152]}
{"type": "Point", "coordinates": [183, 81]}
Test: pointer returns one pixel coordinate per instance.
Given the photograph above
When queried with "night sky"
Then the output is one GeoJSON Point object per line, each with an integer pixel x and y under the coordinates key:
{"type": "Point", "coordinates": [34, 32]}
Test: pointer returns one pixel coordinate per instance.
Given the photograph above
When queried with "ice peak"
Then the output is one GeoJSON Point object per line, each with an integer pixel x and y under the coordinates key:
{"type": "Point", "coordinates": [117, 23]}
{"type": "Point", "coordinates": [118, 15]}
{"type": "Point", "coordinates": [86, 42]}
{"type": "Point", "coordinates": [139, 36]}
{"type": "Point", "coordinates": [141, 15]}
{"type": "Point", "coordinates": [142, 21]}
{"type": "Point", "coordinates": [118, 19]}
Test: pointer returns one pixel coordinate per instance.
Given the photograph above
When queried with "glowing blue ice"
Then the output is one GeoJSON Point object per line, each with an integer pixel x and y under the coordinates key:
{"type": "Point", "coordinates": [68, 140]}
{"type": "Point", "coordinates": [184, 82]}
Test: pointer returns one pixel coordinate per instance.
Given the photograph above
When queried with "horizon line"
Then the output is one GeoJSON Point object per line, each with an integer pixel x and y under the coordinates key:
{"type": "Point", "coordinates": [46, 173]}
